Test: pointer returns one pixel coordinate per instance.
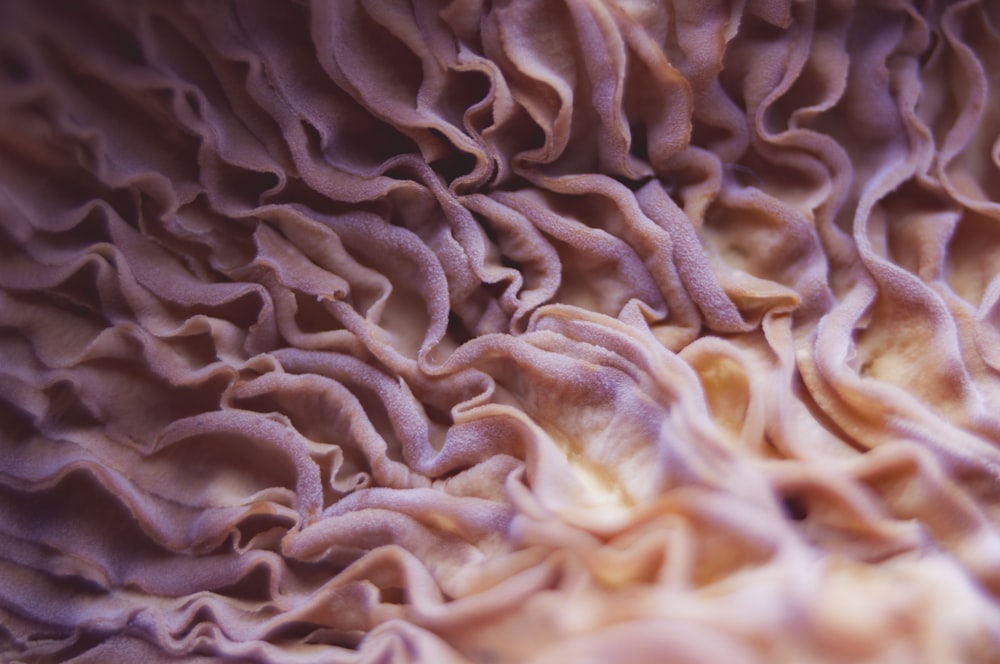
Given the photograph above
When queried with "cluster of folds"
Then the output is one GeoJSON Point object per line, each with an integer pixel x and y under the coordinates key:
{"type": "Point", "coordinates": [500, 331]}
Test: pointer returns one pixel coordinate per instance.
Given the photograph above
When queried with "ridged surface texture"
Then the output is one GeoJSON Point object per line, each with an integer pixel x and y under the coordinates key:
{"type": "Point", "coordinates": [523, 331]}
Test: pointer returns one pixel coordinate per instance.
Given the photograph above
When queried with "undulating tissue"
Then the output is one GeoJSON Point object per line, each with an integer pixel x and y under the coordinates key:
{"type": "Point", "coordinates": [500, 331]}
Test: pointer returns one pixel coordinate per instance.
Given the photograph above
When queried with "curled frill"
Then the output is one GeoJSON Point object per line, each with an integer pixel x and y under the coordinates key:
{"type": "Point", "coordinates": [529, 331]}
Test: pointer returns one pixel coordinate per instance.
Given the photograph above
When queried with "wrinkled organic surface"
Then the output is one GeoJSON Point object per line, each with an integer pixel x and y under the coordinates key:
{"type": "Point", "coordinates": [517, 331]}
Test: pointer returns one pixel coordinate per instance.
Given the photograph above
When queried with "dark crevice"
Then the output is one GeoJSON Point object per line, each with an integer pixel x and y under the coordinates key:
{"type": "Point", "coordinates": [795, 508]}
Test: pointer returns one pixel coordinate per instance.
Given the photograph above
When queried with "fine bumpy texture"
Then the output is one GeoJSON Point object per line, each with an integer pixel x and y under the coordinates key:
{"type": "Point", "coordinates": [516, 331]}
